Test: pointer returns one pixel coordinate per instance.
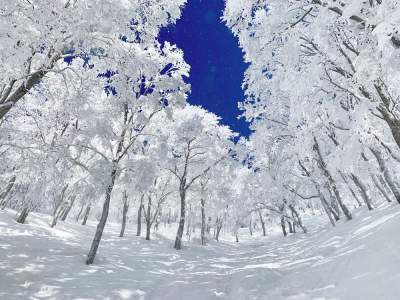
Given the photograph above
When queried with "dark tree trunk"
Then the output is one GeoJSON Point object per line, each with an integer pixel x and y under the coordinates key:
{"type": "Point", "coordinates": [290, 227]}
{"type": "Point", "coordinates": [125, 209]}
{"type": "Point", "coordinates": [103, 220]}
{"type": "Point", "coordinates": [203, 222]}
{"type": "Point", "coordinates": [86, 216]}
{"type": "Point", "coordinates": [179, 234]}
{"type": "Point", "coordinates": [25, 86]}
{"type": "Point", "coordinates": [23, 215]}
{"type": "Point", "coordinates": [262, 222]}
{"type": "Point", "coordinates": [250, 228]}
{"type": "Point", "coordinates": [139, 218]}
{"type": "Point", "coordinates": [148, 219]}
{"type": "Point", "coordinates": [283, 226]}
{"type": "Point", "coordinates": [363, 191]}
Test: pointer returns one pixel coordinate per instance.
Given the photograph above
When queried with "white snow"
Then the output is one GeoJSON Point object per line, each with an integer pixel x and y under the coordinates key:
{"type": "Point", "coordinates": [358, 259]}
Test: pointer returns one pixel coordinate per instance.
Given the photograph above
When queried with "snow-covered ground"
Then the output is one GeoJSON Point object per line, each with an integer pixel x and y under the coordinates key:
{"type": "Point", "coordinates": [359, 259]}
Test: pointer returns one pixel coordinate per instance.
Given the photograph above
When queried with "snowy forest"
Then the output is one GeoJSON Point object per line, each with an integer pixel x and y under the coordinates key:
{"type": "Point", "coordinates": [114, 186]}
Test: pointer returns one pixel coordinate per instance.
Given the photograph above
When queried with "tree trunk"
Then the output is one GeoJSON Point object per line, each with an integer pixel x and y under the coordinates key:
{"type": "Point", "coordinates": [331, 181]}
{"type": "Point", "coordinates": [124, 213]}
{"type": "Point", "coordinates": [381, 188]}
{"type": "Point", "coordinates": [290, 227]}
{"type": "Point", "coordinates": [386, 174]}
{"type": "Point", "coordinates": [350, 188]}
{"type": "Point", "coordinates": [68, 209]}
{"type": "Point", "coordinates": [326, 208]}
{"type": "Point", "coordinates": [219, 224]}
{"type": "Point", "coordinates": [262, 222]}
{"type": "Point", "coordinates": [139, 218]}
{"type": "Point", "coordinates": [297, 217]}
{"type": "Point", "coordinates": [25, 86]}
{"type": "Point", "coordinates": [86, 216]}
{"type": "Point", "coordinates": [23, 215]}
{"type": "Point", "coordinates": [203, 222]}
{"type": "Point", "coordinates": [250, 227]}
{"type": "Point", "coordinates": [179, 234]}
{"type": "Point", "coordinates": [148, 219]}
{"type": "Point", "coordinates": [363, 191]}
{"type": "Point", "coordinates": [103, 220]}
{"type": "Point", "coordinates": [3, 195]}
{"type": "Point", "coordinates": [80, 213]}
{"type": "Point", "coordinates": [283, 226]}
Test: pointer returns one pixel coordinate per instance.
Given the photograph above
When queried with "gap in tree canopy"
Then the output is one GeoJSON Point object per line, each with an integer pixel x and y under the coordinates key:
{"type": "Point", "coordinates": [215, 58]}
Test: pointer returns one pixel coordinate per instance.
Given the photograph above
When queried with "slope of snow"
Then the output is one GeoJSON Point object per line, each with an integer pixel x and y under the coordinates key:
{"type": "Point", "coordinates": [359, 259]}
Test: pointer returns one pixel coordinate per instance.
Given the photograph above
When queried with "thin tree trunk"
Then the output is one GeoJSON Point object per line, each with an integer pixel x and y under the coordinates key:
{"type": "Point", "coordinates": [179, 234]}
{"type": "Point", "coordinates": [331, 181]}
{"type": "Point", "coordinates": [296, 216]}
{"type": "Point", "coordinates": [381, 188]}
{"type": "Point", "coordinates": [68, 209]}
{"type": "Point", "coordinates": [125, 209]}
{"type": "Point", "coordinates": [283, 226]}
{"type": "Point", "coordinates": [203, 222]}
{"type": "Point", "coordinates": [262, 222]}
{"type": "Point", "coordinates": [100, 227]}
{"type": "Point", "coordinates": [363, 191]}
{"type": "Point", "coordinates": [327, 209]}
{"type": "Point", "coordinates": [148, 219]}
{"type": "Point", "coordinates": [3, 195]}
{"type": "Point", "coordinates": [86, 216]}
{"type": "Point", "coordinates": [139, 218]}
{"type": "Point", "coordinates": [80, 213]}
{"type": "Point", "coordinates": [350, 188]}
{"type": "Point", "coordinates": [219, 224]}
{"type": "Point", "coordinates": [250, 227]}
{"type": "Point", "coordinates": [386, 173]}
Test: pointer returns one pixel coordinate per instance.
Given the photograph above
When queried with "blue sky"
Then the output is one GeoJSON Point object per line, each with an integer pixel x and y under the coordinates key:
{"type": "Point", "coordinates": [215, 58]}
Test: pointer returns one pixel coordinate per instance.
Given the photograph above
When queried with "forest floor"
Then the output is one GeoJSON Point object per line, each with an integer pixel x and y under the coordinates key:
{"type": "Point", "coordinates": [359, 259]}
